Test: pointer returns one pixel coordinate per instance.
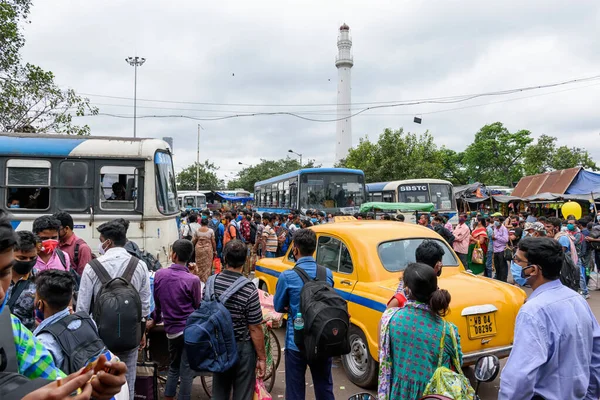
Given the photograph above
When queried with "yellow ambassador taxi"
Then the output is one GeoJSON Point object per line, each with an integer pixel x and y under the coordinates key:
{"type": "Point", "coordinates": [367, 259]}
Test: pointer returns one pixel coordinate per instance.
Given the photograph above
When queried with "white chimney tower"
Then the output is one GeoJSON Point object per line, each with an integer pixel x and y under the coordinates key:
{"type": "Point", "coordinates": [344, 62]}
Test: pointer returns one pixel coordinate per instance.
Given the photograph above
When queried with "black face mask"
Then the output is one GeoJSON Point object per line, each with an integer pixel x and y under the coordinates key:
{"type": "Point", "coordinates": [24, 267]}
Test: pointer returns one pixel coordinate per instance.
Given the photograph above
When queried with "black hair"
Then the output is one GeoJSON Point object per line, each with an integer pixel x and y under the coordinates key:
{"type": "Point", "coordinates": [256, 216]}
{"type": "Point", "coordinates": [193, 218]}
{"type": "Point", "coordinates": [556, 222]}
{"type": "Point", "coordinates": [542, 219]}
{"type": "Point", "coordinates": [184, 249]}
{"type": "Point", "coordinates": [8, 237]}
{"type": "Point", "coordinates": [204, 220]}
{"type": "Point", "coordinates": [267, 216]}
{"type": "Point", "coordinates": [482, 221]}
{"type": "Point", "coordinates": [430, 252]}
{"type": "Point", "coordinates": [426, 216]}
{"type": "Point", "coordinates": [422, 282]}
{"type": "Point", "coordinates": [229, 216]}
{"type": "Point", "coordinates": [235, 253]}
{"type": "Point", "coordinates": [55, 287]}
{"type": "Point", "coordinates": [216, 213]}
{"type": "Point", "coordinates": [66, 221]}
{"type": "Point", "coordinates": [400, 217]}
{"type": "Point", "coordinates": [305, 240]}
{"type": "Point", "coordinates": [124, 222]}
{"type": "Point", "coordinates": [115, 231]}
{"type": "Point", "coordinates": [45, 222]}
{"type": "Point", "coordinates": [501, 219]}
{"type": "Point", "coordinates": [544, 252]}
{"type": "Point", "coordinates": [582, 221]}
{"type": "Point", "coordinates": [27, 241]}
{"type": "Point", "coordinates": [437, 218]}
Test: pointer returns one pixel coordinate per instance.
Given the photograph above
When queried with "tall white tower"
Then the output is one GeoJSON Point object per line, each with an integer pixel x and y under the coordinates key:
{"type": "Point", "coordinates": [344, 62]}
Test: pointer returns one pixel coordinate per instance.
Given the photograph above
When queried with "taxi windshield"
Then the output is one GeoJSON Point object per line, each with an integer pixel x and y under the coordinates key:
{"type": "Point", "coordinates": [396, 255]}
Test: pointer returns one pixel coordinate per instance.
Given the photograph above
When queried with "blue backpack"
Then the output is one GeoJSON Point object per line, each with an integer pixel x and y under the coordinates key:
{"type": "Point", "coordinates": [209, 337]}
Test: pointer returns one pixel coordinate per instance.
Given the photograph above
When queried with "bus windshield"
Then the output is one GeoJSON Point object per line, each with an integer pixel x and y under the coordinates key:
{"type": "Point", "coordinates": [166, 195]}
{"type": "Point", "coordinates": [331, 190]}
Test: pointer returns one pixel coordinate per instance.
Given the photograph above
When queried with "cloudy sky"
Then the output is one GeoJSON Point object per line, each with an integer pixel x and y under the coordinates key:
{"type": "Point", "coordinates": [265, 56]}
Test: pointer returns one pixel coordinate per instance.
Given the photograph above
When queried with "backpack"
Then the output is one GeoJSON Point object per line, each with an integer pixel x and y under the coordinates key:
{"type": "Point", "coordinates": [570, 273]}
{"type": "Point", "coordinates": [445, 382]}
{"type": "Point", "coordinates": [253, 230]}
{"type": "Point", "coordinates": [213, 226]}
{"type": "Point", "coordinates": [76, 252]}
{"type": "Point", "coordinates": [444, 233]}
{"type": "Point", "coordinates": [117, 308]}
{"type": "Point", "coordinates": [78, 345]}
{"type": "Point", "coordinates": [326, 318]}
{"type": "Point", "coordinates": [151, 262]}
{"type": "Point", "coordinates": [595, 234]}
{"type": "Point", "coordinates": [12, 384]}
{"type": "Point", "coordinates": [208, 335]}
{"type": "Point", "coordinates": [61, 256]}
{"type": "Point", "coordinates": [238, 236]}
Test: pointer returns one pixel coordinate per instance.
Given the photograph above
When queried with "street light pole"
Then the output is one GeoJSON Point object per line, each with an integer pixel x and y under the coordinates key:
{"type": "Point", "coordinates": [198, 160]}
{"type": "Point", "coordinates": [298, 154]}
{"type": "Point", "coordinates": [135, 62]}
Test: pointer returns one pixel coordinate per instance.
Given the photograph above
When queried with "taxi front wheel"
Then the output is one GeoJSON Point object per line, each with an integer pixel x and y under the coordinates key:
{"type": "Point", "coordinates": [360, 367]}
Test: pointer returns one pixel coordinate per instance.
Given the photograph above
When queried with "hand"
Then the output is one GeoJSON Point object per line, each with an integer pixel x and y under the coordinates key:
{"type": "Point", "coordinates": [68, 385]}
{"type": "Point", "coordinates": [192, 267]}
{"type": "Point", "coordinates": [107, 384]}
{"type": "Point", "coordinates": [261, 368]}
{"type": "Point", "coordinates": [143, 341]}
{"type": "Point", "coordinates": [150, 324]}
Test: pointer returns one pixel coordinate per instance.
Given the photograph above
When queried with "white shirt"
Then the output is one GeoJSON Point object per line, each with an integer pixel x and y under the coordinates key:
{"type": "Point", "coordinates": [114, 261]}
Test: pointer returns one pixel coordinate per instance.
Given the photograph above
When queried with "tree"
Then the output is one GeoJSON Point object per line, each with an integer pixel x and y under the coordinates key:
{"type": "Point", "coordinates": [186, 179]}
{"type": "Point", "coordinates": [397, 155]}
{"type": "Point", "coordinates": [266, 169]}
{"type": "Point", "coordinates": [565, 157]}
{"type": "Point", "coordinates": [496, 155]}
{"type": "Point", "coordinates": [30, 101]}
{"type": "Point", "coordinates": [544, 156]}
{"type": "Point", "coordinates": [453, 167]}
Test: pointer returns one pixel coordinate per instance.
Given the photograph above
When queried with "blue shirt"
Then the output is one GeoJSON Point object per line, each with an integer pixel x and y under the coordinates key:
{"type": "Point", "coordinates": [565, 242]}
{"type": "Point", "coordinates": [556, 351]}
{"type": "Point", "coordinates": [287, 294]}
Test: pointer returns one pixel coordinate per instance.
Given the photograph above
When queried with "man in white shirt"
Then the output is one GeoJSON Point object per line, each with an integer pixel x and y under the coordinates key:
{"type": "Point", "coordinates": [115, 259]}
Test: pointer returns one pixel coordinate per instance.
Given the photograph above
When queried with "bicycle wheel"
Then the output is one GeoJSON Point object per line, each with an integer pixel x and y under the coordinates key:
{"type": "Point", "coordinates": [207, 383]}
{"type": "Point", "coordinates": [275, 349]}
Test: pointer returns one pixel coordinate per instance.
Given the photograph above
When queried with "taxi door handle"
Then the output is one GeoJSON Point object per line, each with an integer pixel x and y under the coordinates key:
{"type": "Point", "coordinates": [346, 283]}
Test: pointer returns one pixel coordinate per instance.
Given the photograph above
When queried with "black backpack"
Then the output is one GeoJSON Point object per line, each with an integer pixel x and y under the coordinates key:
{"type": "Point", "coordinates": [13, 385]}
{"type": "Point", "coordinates": [569, 273]}
{"type": "Point", "coordinates": [444, 233]}
{"type": "Point", "coordinates": [117, 309]}
{"type": "Point", "coordinates": [253, 230]}
{"type": "Point", "coordinates": [151, 262]}
{"type": "Point", "coordinates": [326, 318]}
{"type": "Point", "coordinates": [78, 345]}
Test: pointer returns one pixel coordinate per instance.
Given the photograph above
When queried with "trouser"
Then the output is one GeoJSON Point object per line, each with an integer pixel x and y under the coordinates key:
{"type": "Point", "coordinates": [501, 266]}
{"type": "Point", "coordinates": [270, 254]}
{"type": "Point", "coordinates": [179, 368]}
{"type": "Point", "coordinates": [130, 359]}
{"type": "Point", "coordinates": [240, 379]}
{"type": "Point", "coordinates": [295, 372]}
{"type": "Point", "coordinates": [489, 263]}
{"type": "Point", "coordinates": [464, 259]}
{"type": "Point", "coordinates": [582, 279]}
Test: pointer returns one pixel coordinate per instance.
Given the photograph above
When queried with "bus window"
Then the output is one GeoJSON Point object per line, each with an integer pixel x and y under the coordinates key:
{"type": "Point", "coordinates": [73, 192]}
{"type": "Point", "coordinates": [119, 188]}
{"type": "Point", "coordinates": [413, 193]}
{"type": "Point", "coordinates": [441, 195]}
{"type": "Point", "coordinates": [166, 192]}
{"type": "Point", "coordinates": [28, 184]}
{"type": "Point", "coordinates": [388, 197]}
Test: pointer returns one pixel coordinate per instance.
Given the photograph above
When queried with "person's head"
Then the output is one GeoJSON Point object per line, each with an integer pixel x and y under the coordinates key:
{"type": "Point", "coordinates": [481, 221]}
{"type": "Point", "coordinates": [204, 220]}
{"type": "Point", "coordinates": [430, 253]}
{"type": "Point", "coordinates": [424, 220]}
{"type": "Point", "coordinates": [539, 230]}
{"type": "Point", "coordinates": [182, 251]}
{"type": "Point", "coordinates": [124, 222]}
{"type": "Point", "coordinates": [422, 284]}
{"type": "Point", "coordinates": [66, 224]}
{"type": "Point", "coordinates": [305, 243]}
{"type": "Point", "coordinates": [437, 220]}
{"type": "Point", "coordinates": [53, 291]}
{"type": "Point", "coordinates": [248, 216]}
{"type": "Point", "coordinates": [14, 203]}
{"type": "Point", "coordinates": [306, 223]}
{"type": "Point", "coordinates": [192, 218]}
{"type": "Point", "coordinates": [462, 218]}
{"type": "Point", "coordinates": [118, 189]}
{"type": "Point", "coordinates": [235, 254]}
{"type": "Point", "coordinates": [571, 224]}
{"type": "Point", "coordinates": [257, 218]}
{"type": "Point", "coordinates": [267, 218]}
{"type": "Point", "coordinates": [229, 217]}
{"type": "Point", "coordinates": [8, 239]}
{"type": "Point", "coordinates": [498, 221]}
{"type": "Point", "coordinates": [25, 252]}
{"type": "Point", "coordinates": [542, 219]}
{"type": "Point", "coordinates": [540, 259]}
{"type": "Point", "coordinates": [46, 228]}
{"type": "Point", "coordinates": [553, 226]}
{"type": "Point", "coordinates": [112, 234]}
{"type": "Point", "coordinates": [386, 217]}
{"type": "Point", "coordinates": [582, 223]}
{"type": "Point", "coordinates": [400, 217]}
{"type": "Point", "coordinates": [217, 215]}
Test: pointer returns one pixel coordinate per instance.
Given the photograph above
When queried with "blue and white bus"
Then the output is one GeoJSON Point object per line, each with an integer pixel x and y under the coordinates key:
{"type": "Point", "coordinates": [327, 189]}
{"type": "Point", "coordinates": [436, 191]}
{"type": "Point", "coordinates": [95, 179]}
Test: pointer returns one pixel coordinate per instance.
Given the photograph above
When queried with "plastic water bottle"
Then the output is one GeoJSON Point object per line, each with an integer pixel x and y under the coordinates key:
{"type": "Point", "coordinates": [299, 331]}
{"type": "Point", "coordinates": [299, 322]}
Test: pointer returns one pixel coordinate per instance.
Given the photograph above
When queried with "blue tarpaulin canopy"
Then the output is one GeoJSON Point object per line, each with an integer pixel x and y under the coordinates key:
{"type": "Point", "coordinates": [585, 182]}
{"type": "Point", "coordinates": [234, 199]}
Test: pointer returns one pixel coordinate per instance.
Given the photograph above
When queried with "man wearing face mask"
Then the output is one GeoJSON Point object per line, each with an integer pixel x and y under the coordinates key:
{"type": "Point", "coordinates": [556, 350]}
{"type": "Point", "coordinates": [50, 256]}
{"type": "Point", "coordinates": [500, 238]}
{"type": "Point", "coordinates": [462, 236]}
{"type": "Point", "coordinates": [21, 292]}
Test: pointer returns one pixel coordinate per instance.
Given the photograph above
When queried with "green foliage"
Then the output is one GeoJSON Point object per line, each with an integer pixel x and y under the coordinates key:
{"type": "Point", "coordinates": [186, 179]}
{"type": "Point", "coordinates": [544, 156]}
{"type": "Point", "coordinates": [30, 101]}
{"type": "Point", "coordinates": [266, 169]}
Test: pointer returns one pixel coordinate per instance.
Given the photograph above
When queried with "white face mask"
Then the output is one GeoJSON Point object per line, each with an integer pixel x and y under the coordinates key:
{"type": "Point", "coordinates": [101, 249]}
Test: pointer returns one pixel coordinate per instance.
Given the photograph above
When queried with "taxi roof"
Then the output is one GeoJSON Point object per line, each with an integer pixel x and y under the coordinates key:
{"type": "Point", "coordinates": [376, 231]}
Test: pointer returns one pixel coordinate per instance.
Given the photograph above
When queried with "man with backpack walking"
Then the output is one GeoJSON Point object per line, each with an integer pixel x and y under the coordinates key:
{"type": "Point", "coordinates": [78, 250]}
{"type": "Point", "coordinates": [116, 274]}
{"type": "Point", "coordinates": [288, 299]}
{"type": "Point", "coordinates": [246, 315]}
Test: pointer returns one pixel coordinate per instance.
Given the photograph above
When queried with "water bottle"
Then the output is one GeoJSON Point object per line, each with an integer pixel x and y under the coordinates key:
{"type": "Point", "coordinates": [299, 331]}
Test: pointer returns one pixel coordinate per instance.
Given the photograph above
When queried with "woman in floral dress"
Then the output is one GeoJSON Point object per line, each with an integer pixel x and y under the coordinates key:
{"type": "Point", "coordinates": [410, 337]}
{"type": "Point", "coordinates": [206, 249]}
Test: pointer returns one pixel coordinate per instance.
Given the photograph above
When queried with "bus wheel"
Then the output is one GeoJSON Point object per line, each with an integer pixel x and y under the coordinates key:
{"type": "Point", "coordinates": [360, 367]}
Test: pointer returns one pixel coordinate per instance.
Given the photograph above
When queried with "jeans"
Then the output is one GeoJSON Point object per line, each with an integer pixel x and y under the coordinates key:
{"type": "Point", "coordinates": [130, 359]}
{"type": "Point", "coordinates": [464, 259]}
{"type": "Point", "coordinates": [240, 379]}
{"type": "Point", "coordinates": [488, 263]}
{"type": "Point", "coordinates": [295, 372]}
{"type": "Point", "coordinates": [582, 279]}
{"type": "Point", "coordinates": [501, 266]}
{"type": "Point", "coordinates": [270, 254]}
{"type": "Point", "coordinates": [179, 367]}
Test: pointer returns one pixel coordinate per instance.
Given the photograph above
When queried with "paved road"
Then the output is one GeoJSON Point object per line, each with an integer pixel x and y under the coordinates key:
{"type": "Point", "coordinates": [343, 388]}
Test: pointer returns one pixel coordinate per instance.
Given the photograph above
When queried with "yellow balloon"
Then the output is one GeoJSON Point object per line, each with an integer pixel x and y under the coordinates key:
{"type": "Point", "coordinates": [571, 208]}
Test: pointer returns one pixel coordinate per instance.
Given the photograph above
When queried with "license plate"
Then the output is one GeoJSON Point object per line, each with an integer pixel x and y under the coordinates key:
{"type": "Point", "coordinates": [482, 325]}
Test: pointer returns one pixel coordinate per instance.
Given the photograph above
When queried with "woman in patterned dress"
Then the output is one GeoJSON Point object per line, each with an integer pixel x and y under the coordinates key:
{"type": "Point", "coordinates": [206, 249]}
{"type": "Point", "coordinates": [411, 336]}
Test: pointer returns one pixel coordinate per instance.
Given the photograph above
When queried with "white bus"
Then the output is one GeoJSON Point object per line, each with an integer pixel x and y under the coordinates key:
{"type": "Point", "coordinates": [436, 191]}
{"type": "Point", "coordinates": [188, 199]}
{"type": "Point", "coordinates": [95, 179]}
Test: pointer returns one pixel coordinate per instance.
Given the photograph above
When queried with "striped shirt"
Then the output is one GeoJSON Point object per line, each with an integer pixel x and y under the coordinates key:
{"type": "Point", "coordinates": [271, 238]}
{"type": "Point", "coordinates": [244, 305]}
